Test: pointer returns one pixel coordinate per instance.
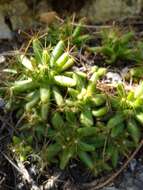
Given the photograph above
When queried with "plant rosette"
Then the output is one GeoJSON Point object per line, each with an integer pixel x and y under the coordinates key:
{"type": "Point", "coordinates": [42, 79]}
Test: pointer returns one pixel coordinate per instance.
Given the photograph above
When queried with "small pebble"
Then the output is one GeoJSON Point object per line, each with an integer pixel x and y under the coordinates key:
{"type": "Point", "coordinates": [2, 59]}
{"type": "Point", "coordinates": [20, 186]}
{"type": "Point", "coordinates": [124, 71]}
{"type": "Point", "coordinates": [113, 78]}
{"type": "Point", "coordinates": [133, 164]}
{"type": "Point", "coordinates": [2, 103]}
{"type": "Point", "coordinates": [32, 170]}
{"type": "Point", "coordinates": [132, 178]}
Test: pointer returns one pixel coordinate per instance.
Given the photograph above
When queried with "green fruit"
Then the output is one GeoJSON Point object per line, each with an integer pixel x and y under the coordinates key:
{"type": "Point", "coordinates": [81, 74]}
{"type": "Point", "coordinates": [86, 118]}
{"type": "Point", "coordinates": [68, 64]}
{"type": "Point", "coordinates": [67, 154]}
{"type": "Point", "coordinates": [68, 73]}
{"type": "Point", "coordinates": [45, 95]}
{"type": "Point", "coordinates": [99, 99]}
{"type": "Point", "coordinates": [57, 96]}
{"type": "Point", "coordinates": [64, 81]}
{"type": "Point", "coordinates": [57, 52]}
{"type": "Point", "coordinates": [45, 57]}
{"type": "Point", "coordinates": [117, 130]}
{"type": "Point", "coordinates": [101, 72]}
{"type": "Point", "coordinates": [30, 95]}
{"type": "Point", "coordinates": [44, 110]}
{"type": "Point", "coordinates": [33, 102]}
{"type": "Point", "coordinates": [100, 112]}
{"type": "Point", "coordinates": [73, 92]}
{"type": "Point", "coordinates": [80, 82]}
{"type": "Point", "coordinates": [86, 159]}
{"type": "Point", "coordinates": [61, 61]}
{"type": "Point", "coordinates": [91, 88]}
{"type": "Point", "coordinates": [94, 78]}
{"type": "Point", "coordinates": [82, 94]}
{"type": "Point", "coordinates": [82, 146]}
{"type": "Point", "coordinates": [85, 132]}
{"type": "Point", "coordinates": [37, 48]}
{"type": "Point", "coordinates": [134, 130]}
{"type": "Point", "coordinates": [77, 31]}
{"type": "Point", "coordinates": [23, 86]}
{"type": "Point", "coordinates": [114, 121]}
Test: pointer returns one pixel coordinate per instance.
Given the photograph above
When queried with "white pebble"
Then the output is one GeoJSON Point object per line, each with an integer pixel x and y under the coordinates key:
{"type": "Point", "coordinates": [2, 59]}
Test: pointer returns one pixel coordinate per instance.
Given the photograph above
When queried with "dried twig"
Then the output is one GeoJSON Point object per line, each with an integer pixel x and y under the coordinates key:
{"type": "Point", "coordinates": [10, 53]}
{"type": "Point", "coordinates": [92, 26]}
{"type": "Point", "coordinates": [111, 86]}
{"type": "Point", "coordinates": [23, 171]}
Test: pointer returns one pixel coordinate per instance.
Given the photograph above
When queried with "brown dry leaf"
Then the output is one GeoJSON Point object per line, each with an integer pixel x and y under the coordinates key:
{"type": "Point", "coordinates": [48, 17]}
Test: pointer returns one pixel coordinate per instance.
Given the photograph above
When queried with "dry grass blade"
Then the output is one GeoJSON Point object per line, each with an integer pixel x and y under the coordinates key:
{"type": "Point", "coordinates": [92, 26]}
{"type": "Point", "coordinates": [23, 171]}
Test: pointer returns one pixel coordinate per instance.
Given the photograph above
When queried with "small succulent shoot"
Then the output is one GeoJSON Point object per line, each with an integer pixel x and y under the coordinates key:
{"type": "Point", "coordinates": [75, 34]}
{"type": "Point", "coordinates": [115, 46]}
{"type": "Point", "coordinates": [43, 75]}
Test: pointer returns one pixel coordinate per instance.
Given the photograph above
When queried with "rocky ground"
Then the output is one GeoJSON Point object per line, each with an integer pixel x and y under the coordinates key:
{"type": "Point", "coordinates": [131, 179]}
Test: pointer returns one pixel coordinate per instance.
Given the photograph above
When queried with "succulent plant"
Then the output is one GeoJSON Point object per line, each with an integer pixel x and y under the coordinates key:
{"type": "Point", "coordinates": [128, 108]}
{"type": "Point", "coordinates": [42, 78]}
{"type": "Point", "coordinates": [115, 46]}
{"type": "Point", "coordinates": [74, 35]}
{"type": "Point", "coordinates": [63, 115]}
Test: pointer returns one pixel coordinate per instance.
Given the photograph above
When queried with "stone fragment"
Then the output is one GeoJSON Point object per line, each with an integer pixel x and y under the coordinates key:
{"type": "Point", "coordinates": [2, 59]}
{"type": "Point", "coordinates": [48, 17]}
{"type": "Point", "coordinates": [103, 10]}
{"type": "Point", "coordinates": [5, 33]}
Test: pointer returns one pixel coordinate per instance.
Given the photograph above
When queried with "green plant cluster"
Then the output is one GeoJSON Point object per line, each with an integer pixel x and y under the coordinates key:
{"type": "Point", "coordinates": [74, 35]}
{"type": "Point", "coordinates": [118, 46]}
{"type": "Point", "coordinates": [42, 76]}
{"type": "Point", "coordinates": [62, 114]}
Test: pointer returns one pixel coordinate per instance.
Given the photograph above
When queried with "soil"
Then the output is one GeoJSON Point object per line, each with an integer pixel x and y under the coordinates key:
{"type": "Point", "coordinates": [68, 6]}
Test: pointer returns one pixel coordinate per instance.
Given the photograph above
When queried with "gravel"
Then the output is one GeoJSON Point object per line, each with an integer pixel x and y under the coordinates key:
{"type": "Point", "coordinates": [132, 178]}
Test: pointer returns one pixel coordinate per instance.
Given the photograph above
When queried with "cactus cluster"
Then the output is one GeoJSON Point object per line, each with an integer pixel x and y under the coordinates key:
{"type": "Point", "coordinates": [42, 77]}
{"type": "Point", "coordinates": [74, 35]}
{"type": "Point", "coordinates": [117, 46]}
{"type": "Point", "coordinates": [64, 116]}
